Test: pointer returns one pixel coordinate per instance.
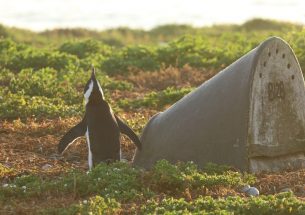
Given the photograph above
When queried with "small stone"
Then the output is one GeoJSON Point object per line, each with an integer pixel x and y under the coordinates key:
{"type": "Point", "coordinates": [46, 166]}
{"type": "Point", "coordinates": [5, 185]}
{"type": "Point", "coordinates": [252, 191]}
{"type": "Point", "coordinates": [286, 190]}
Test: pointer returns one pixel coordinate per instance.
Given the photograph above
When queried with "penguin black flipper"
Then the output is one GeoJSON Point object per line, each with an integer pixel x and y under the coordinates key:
{"type": "Point", "coordinates": [75, 132]}
{"type": "Point", "coordinates": [129, 132]}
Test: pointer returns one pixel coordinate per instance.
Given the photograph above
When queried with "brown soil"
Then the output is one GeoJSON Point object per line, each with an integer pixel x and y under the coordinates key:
{"type": "Point", "coordinates": [31, 146]}
{"type": "Point", "coordinates": [171, 76]}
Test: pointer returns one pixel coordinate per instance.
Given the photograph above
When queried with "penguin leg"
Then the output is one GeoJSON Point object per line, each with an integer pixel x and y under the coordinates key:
{"type": "Point", "coordinates": [129, 132]}
{"type": "Point", "coordinates": [74, 133]}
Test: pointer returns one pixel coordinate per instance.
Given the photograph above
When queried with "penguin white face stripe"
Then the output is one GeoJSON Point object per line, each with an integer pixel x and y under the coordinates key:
{"type": "Point", "coordinates": [99, 87]}
{"type": "Point", "coordinates": [90, 161]}
{"type": "Point", "coordinates": [88, 92]}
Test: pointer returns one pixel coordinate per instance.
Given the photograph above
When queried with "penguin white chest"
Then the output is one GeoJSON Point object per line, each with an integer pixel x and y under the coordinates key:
{"type": "Point", "coordinates": [90, 162]}
{"type": "Point", "coordinates": [88, 92]}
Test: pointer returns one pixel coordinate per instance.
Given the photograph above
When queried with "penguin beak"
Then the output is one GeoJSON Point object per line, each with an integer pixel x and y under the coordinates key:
{"type": "Point", "coordinates": [96, 83]}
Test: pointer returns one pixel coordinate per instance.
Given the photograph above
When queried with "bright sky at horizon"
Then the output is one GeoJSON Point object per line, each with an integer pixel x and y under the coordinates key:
{"type": "Point", "coordinates": [40, 15]}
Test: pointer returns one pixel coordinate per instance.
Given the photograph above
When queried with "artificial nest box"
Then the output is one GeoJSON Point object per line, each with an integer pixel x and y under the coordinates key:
{"type": "Point", "coordinates": [251, 116]}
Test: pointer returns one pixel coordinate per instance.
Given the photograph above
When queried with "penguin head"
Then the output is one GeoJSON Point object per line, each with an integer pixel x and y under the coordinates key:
{"type": "Point", "coordinates": [93, 92]}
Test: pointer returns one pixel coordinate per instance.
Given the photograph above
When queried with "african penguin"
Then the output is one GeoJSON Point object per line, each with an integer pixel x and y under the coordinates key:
{"type": "Point", "coordinates": [100, 126]}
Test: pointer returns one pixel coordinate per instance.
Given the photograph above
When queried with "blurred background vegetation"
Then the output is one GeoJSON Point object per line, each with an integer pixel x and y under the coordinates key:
{"type": "Point", "coordinates": [42, 74]}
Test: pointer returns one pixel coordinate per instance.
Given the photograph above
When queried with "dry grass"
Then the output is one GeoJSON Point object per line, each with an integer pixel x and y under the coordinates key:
{"type": "Point", "coordinates": [271, 183]}
{"type": "Point", "coordinates": [31, 145]}
{"type": "Point", "coordinates": [171, 76]}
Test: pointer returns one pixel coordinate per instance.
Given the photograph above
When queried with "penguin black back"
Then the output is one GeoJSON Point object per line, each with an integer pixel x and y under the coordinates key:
{"type": "Point", "coordinates": [101, 127]}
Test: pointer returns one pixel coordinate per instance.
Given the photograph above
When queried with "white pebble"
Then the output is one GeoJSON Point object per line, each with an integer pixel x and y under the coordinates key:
{"type": "Point", "coordinates": [46, 166]}
{"type": "Point", "coordinates": [252, 191]}
{"type": "Point", "coordinates": [5, 185]}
